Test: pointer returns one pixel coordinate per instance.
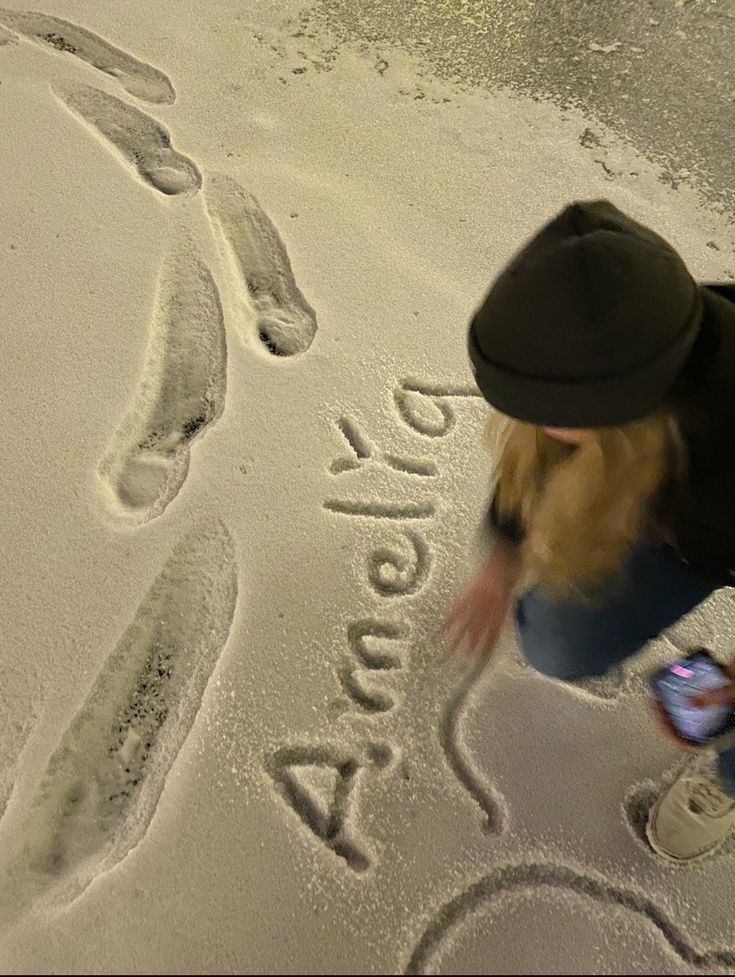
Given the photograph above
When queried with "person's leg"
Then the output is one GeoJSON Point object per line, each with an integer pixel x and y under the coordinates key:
{"type": "Point", "coordinates": [726, 770]}
{"type": "Point", "coordinates": [570, 640]}
{"type": "Point", "coordinates": [696, 813]}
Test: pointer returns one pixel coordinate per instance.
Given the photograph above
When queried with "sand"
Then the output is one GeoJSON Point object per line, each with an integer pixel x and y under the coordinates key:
{"type": "Point", "coordinates": [242, 480]}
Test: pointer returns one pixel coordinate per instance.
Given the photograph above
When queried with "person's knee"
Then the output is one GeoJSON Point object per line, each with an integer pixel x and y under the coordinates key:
{"type": "Point", "coordinates": [560, 661]}
{"type": "Point", "coordinates": [558, 655]}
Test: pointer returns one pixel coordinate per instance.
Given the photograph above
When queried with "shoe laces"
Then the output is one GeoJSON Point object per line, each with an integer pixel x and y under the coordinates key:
{"type": "Point", "coordinates": [706, 796]}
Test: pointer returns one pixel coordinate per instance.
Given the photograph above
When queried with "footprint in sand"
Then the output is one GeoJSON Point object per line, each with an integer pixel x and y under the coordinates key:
{"type": "Point", "coordinates": [181, 392]}
{"type": "Point", "coordinates": [99, 791]}
{"type": "Point", "coordinates": [136, 77]}
{"type": "Point", "coordinates": [13, 735]}
{"type": "Point", "coordinates": [140, 140]}
{"type": "Point", "coordinates": [284, 321]}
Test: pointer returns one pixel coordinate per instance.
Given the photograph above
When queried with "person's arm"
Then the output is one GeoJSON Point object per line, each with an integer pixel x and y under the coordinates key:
{"type": "Point", "coordinates": [473, 624]}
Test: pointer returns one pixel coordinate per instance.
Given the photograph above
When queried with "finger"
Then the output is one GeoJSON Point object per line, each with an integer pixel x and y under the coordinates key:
{"type": "Point", "coordinates": [452, 642]}
{"type": "Point", "coordinates": [715, 697]}
{"type": "Point", "coordinates": [461, 655]}
{"type": "Point", "coordinates": [461, 627]}
{"type": "Point", "coordinates": [452, 620]}
{"type": "Point", "coordinates": [447, 622]}
{"type": "Point", "coordinates": [474, 632]}
{"type": "Point", "coordinates": [462, 650]}
{"type": "Point", "coordinates": [481, 655]}
{"type": "Point", "coordinates": [480, 646]}
{"type": "Point", "coordinates": [468, 641]}
{"type": "Point", "coordinates": [465, 658]}
{"type": "Point", "coordinates": [666, 725]}
{"type": "Point", "coordinates": [456, 612]}
{"type": "Point", "coordinates": [450, 649]}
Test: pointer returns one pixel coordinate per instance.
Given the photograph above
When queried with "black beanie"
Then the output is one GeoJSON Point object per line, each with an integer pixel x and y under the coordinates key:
{"type": "Point", "coordinates": [589, 325]}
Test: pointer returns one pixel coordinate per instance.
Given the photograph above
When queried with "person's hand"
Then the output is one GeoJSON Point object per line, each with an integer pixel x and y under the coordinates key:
{"type": "Point", "coordinates": [714, 697]}
{"type": "Point", "coordinates": [472, 626]}
{"type": "Point", "coordinates": [719, 697]}
{"type": "Point", "coordinates": [666, 726]}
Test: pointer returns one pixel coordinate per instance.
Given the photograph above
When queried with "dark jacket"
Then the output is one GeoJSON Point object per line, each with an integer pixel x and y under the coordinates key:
{"type": "Point", "coordinates": [704, 521]}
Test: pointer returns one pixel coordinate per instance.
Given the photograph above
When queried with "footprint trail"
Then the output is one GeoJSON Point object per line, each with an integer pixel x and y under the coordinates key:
{"type": "Point", "coordinates": [181, 392]}
{"type": "Point", "coordinates": [284, 321]}
{"type": "Point", "coordinates": [136, 77]}
{"type": "Point", "coordinates": [141, 141]}
{"type": "Point", "coordinates": [101, 786]}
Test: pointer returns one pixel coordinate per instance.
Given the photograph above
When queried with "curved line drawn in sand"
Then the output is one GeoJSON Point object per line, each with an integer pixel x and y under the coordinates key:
{"type": "Point", "coordinates": [7, 37]}
{"type": "Point", "coordinates": [363, 451]}
{"type": "Point", "coordinates": [317, 782]}
{"type": "Point", "coordinates": [136, 77]}
{"type": "Point", "coordinates": [410, 398]}
{"type": "Point", "coordinates": [358, 631]}
{"type": "Point", "coordinates": [283, 320]}
{"type": "Point", "coordinates": [131, 134]}
{"type": "Point", "coordinates": [382, 510]}
{"type": "Point", "coordinates": [488, 798]}
{"type": "Point", "coordinates": [562, 878]}
{"type": "Point", "coordinates": [409, 405]}
{"type": "Point", "coordinates": [102, 784]}
{"type": "Point", "coordinates": [181, 392]}
{"type": "Point", "coordinates": [393, 574]}
{"type": "Point", "coordinates": [371, 700]}
{"type": "Point", "coordinates": [371, 661]}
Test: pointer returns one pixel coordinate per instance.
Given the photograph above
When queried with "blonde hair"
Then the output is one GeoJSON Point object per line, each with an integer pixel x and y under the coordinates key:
{"type": "Point", "coordinates": [584, 506]}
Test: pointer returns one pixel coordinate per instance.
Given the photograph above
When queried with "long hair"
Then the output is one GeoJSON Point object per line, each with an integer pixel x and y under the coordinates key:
{"type": "Point", "coordinates": [584, 506]}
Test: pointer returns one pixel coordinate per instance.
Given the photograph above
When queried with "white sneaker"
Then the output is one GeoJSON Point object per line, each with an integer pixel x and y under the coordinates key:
{"type": "Point", "coordinates": [693, 816]}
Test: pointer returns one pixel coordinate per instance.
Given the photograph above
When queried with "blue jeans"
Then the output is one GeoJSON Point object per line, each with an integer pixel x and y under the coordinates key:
{"type": "Point", "coordinates": [569, 640]}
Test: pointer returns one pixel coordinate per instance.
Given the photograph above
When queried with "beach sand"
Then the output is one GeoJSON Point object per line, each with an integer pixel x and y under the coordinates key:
{"type": "Point", "coordinates": [242, 481]}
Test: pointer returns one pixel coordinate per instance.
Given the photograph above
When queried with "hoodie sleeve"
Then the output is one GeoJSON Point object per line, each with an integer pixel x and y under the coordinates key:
{"type": "Point", "coordinates": [495, 525]}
